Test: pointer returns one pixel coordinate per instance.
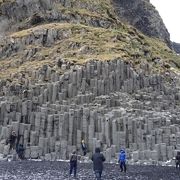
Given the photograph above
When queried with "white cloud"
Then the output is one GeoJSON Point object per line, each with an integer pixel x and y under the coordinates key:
{"type": "Point", "coordinates": [169, 11]}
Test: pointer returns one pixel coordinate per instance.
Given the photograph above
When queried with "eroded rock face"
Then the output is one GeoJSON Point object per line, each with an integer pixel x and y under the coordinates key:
{"type": "Point", "coordinates": [15, 12]}
{"type": "Point", "coordinates": [21, 14]}
{"type": "Point", "coordinates": [142, 15]}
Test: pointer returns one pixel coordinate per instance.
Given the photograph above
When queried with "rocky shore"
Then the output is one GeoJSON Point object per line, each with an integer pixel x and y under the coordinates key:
{"type": "Point", "coordinates": [31, 170]}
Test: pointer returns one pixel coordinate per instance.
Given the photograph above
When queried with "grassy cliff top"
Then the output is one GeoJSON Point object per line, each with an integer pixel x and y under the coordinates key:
{"type": "Point", "coordinates": [84, 42]}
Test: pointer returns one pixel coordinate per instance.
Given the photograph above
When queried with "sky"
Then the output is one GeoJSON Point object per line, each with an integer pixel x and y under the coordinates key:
{"type": "Point", "coordinates": [170, 13]}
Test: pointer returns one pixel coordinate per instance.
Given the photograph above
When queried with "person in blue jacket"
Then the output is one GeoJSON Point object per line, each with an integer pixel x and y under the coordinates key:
{"type": "Point", "coordinates": [122, 160]}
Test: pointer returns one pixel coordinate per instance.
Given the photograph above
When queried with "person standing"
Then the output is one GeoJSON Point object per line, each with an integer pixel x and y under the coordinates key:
{"type": "Point", "coordinates": [84, 147]}
{"type": "Point", "coordinates": [73, 163]}
{"type": "Point", "coordinates": [98, 160]}
{"type": "Point", "coordinates": [178, 159]}
{"type": "Point", "coordinates": [122, 160]}
{"type": "Point", "coordinates": [20, 151]}
{"type": "Point", "coordinates": [12, 140]}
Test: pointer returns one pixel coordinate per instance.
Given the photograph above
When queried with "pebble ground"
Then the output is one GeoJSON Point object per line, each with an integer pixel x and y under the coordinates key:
{"type": "Point", "coordinates": [44, 170]}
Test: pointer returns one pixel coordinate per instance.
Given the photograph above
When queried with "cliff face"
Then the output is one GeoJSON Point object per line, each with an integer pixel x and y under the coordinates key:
{"type": "Point", "coordinates": [176, 47]}
{"type": "Point", "coordinates": [17, 15]}
{"type": "Point", "coordinates": [139, 13]}
{"type": "Point", "coordinates": [142, 15]}
{"type": "Point", "coordinates": [71, 70]}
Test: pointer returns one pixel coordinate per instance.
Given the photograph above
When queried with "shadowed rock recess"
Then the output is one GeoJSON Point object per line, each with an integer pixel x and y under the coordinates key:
{"type": "Point", "coordinates": [70, 70]}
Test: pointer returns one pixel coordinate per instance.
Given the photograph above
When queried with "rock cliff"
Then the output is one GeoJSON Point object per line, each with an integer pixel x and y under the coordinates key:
{"type": "Point", "coordinates": [176, 47]}
{"type": "Point", "coordinates": [140, 13]}
{"type": "Point", "coordinates": [71, 70]}
{"type": "Point", "coordinates": [143, 15]}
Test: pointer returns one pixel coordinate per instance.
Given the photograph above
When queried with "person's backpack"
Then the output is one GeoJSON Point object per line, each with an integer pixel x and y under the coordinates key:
{"type": "Point", "coordinates": [73, 157]}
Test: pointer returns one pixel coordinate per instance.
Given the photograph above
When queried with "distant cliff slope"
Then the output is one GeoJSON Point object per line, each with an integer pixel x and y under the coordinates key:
{"type": "Point", "coordinates": [176, 47]}
{"type": "Point", "coordinates": [142, 15]}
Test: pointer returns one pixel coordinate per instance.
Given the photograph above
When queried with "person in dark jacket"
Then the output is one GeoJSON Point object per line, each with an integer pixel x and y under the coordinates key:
{"type": "Point", "coordinates": [178, 159]}
{"type": "Point", "coordinates": [84, 147]}
{"type": "Point", "coordinates": [12, 140]}
{"type": "Point", "coordinates": [20, 151]}
{"type": "Point", "coordinates": [98, 160]}
{"type": "Point", "coordinates": [122, 160]}
{"type": "Point", "coordinates": [73, 163]}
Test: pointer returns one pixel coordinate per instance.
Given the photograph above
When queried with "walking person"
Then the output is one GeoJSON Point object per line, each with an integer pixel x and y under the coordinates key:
{"type": "Point", "coordinates": [84, 147]}
{"type": "Point", "coordinates": [178, 159]}
{"type": "Point", "coordinates": [122, 160]}
{"type": "Point", "coordinates": [73, 163]}
{"type": "Point", "coordinates": [98, 160]}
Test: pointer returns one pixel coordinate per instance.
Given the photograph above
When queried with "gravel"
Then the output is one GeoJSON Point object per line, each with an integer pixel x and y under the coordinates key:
{"type": "Point", "coordinates": [47, 170]}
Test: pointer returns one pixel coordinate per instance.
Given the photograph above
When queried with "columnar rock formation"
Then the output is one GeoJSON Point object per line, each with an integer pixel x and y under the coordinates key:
{"type": "Point", "coordinates": [106, 103]}
{"type": "Point", "coordinates": [59, 84]}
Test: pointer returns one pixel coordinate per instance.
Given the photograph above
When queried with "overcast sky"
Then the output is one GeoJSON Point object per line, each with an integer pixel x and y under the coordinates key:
{"type": "Point", "coordinates": [170, 13]}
